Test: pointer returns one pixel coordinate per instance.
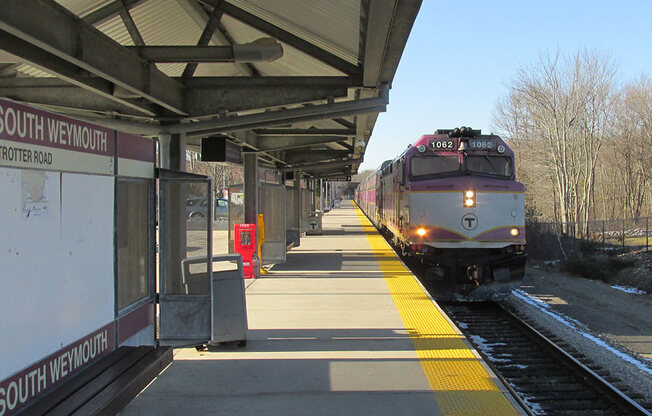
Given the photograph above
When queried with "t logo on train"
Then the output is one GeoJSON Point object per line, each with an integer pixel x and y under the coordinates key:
{"type": "Point", "coordinates": [451, 205]}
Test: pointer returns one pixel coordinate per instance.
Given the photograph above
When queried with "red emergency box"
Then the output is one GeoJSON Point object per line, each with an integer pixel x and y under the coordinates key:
{"type": "Point", "coordinates": [245, 245]}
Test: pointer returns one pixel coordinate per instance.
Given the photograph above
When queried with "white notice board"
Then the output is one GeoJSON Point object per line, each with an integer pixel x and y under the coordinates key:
{"type": "Point", "coordinates": [56, 261]}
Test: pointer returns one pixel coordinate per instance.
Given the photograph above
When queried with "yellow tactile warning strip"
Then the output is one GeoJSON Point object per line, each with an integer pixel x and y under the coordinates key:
{"type": "Point", "coordinates": [459, 381]}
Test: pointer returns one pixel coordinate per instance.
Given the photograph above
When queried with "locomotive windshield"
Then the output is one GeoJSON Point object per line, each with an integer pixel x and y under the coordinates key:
{"type": "Point", "coordinates": [489, 165]}
{"type": "Point", "coordinates": [434, 165]}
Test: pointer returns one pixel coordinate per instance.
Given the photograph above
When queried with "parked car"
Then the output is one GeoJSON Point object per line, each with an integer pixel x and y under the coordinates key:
{"type": "Point", "coordinates": [197, 208]}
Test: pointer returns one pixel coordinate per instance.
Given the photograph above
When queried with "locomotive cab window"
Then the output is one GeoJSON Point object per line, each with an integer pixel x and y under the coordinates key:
{"type": "Point", "coordinates": [434, 165]}
{"type": "Point", "coordinates": [490, 165]}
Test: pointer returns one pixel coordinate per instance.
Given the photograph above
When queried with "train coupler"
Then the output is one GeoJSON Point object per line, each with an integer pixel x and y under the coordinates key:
{"type": "Point", "coordinates": [473, 274]}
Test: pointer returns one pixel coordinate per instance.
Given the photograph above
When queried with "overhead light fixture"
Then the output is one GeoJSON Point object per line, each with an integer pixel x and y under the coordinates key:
{"type": "Point", "coordinates": [260, 50]}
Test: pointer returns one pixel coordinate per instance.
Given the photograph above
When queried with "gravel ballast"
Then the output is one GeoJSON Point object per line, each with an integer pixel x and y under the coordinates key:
{"type": "Point", "coordinates": [612, 328]}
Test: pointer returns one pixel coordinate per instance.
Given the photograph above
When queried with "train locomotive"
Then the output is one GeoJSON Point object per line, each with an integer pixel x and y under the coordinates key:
{"type": "Point", "coordinates": [451, 204]}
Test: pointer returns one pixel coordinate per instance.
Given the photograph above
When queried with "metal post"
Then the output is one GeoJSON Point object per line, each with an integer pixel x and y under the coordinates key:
{"type": "Point", "coordinates": [223, 181]}
{"type": "Point", "coordinates": [250, 188]}
{"type": "Point", "coordinates": [299, 202]}
{"type": "Point", "coordinates": [321, 194]}
{"type": "Point", "coordinates": [172, 151]}
{"type": "Point", "coordinates": [603, 246]}
{"type": "Point", "coordinates": [623, 234]}
{"type": "Point", "coordinates": [173, 156]}
{"type": "Point", "coordinates": [647, 233]}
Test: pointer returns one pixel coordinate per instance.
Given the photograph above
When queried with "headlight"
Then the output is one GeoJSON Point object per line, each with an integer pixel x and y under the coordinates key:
{"type": "Point", "coordinates": [514, 232]}
{"type": "Point", "coordinates": [469, 198]}
{"type": "Point", "coordinates": [421, 232]}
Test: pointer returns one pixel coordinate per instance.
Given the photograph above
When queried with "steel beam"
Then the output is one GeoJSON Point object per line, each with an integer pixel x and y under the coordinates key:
{"type": "Point", "coordinates": [261, 82]}
{"type": "Point", "coordinates": [268, 144]}
{"type": "Point", "coordinates": [314, 156]}
{"type": "Point", "coordinates": [146, 129]}
{"type": "Point", "coordinates": [55, 92]}
{"type": "Point", "coordinates": [212, 25]}
{"type": "Point", "coordinates": [269, 119]}
{"type": "Point", "coordinates": [206, 54]}
{"type": "Point", "coordinates": [129, 23]}
{"type": "Point", "coordinates": [275, 118]}
{"type": "Point", "coordinates": [52, 28]}
{"type": "Point", "coordinates": [306, 132]}
{"type": "Point", "coordinates": [66, 71]}
{"type": "Point", "coordinates": [206, 101]}
{"type": "Point", "coordinates": [110, 11]}
{"type": "Point", "coordinates": [316, 167]}
{"type": "Point", "coordinates": [286, 37]}
{"type": "Point", "coordinates": [346, 146]}
{"type": "Point", "coordinates": [202, 19]}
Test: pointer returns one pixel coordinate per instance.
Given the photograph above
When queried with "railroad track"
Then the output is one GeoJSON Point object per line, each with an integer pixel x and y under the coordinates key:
{"type": "Point", "coordinates": [545, 378]}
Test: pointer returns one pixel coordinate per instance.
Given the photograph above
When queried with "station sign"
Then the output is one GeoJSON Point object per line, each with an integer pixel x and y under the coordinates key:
{"type": "Point", "coordinates": [37, 139]}
{"type": "Point", "coordinates": [23, 388]}
{"type": "Point", "coordinates": [136, 156]}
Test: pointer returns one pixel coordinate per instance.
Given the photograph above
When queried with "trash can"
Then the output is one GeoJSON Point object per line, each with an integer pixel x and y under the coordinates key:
{"type": "Point", "coordinates": [314, 223]}
{"type": "Point", "coordinates": [228, 320]}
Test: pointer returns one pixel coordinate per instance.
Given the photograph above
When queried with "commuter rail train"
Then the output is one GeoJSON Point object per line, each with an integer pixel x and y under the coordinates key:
{"type": "Point", "coordinates": [452, 202]}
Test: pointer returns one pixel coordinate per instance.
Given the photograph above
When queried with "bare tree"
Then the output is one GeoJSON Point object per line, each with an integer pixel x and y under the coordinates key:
{"type": "Point", "coordinates": [223, 174]}
{"type": "Point", "coordinates": [559, 111]}
{"type": "Point", "coordinates": [631, 149]}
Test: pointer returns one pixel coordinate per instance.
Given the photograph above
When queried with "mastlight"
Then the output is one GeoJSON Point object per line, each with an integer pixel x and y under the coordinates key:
{"type": "Point", "coordinates": [469, 198]}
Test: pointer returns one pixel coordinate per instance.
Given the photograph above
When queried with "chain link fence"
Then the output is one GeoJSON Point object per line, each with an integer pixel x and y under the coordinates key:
{"type": "Point", "coordinates": [551, 241]}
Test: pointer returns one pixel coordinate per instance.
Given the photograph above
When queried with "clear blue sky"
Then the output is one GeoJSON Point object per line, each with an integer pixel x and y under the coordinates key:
{"type": "Point", "coordinates": [461, 55]}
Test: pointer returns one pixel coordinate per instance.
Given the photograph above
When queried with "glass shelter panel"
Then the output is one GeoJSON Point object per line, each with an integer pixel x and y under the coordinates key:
{"type": "Point", "coordinates": [133, 238]}
{"type": "Point", "coordinates": [272, 206]}
{"type": "Point", "coordinates": [181, 235]}
{"type": "Point", "coordinates": [306, 207]}
{"type": "Point", "coordinates": [293, 232]}
{"type": "Point", "coordinates": [236, 211]}
{"type": "Point", "coordinates": [185, 248]}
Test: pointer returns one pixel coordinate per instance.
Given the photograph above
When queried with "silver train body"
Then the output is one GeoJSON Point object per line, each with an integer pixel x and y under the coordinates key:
{"type": "Point", "coordinates": [451, 204]}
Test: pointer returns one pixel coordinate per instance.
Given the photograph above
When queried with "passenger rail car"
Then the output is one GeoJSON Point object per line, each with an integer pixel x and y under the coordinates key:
{"type": "Point", "coordinates": [452, 202]}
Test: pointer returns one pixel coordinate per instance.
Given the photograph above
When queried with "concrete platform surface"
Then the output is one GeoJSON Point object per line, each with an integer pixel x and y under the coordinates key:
{"type": "Point", "coordinates": [326, 337]}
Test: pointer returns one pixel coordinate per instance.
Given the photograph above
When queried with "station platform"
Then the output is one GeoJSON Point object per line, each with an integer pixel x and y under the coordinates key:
{"type": "Point", "coordinates": [341, 328]}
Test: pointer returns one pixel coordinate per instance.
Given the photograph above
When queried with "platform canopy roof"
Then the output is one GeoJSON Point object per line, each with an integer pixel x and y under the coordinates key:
{"type": "Point", "coordinates": [299, 81]}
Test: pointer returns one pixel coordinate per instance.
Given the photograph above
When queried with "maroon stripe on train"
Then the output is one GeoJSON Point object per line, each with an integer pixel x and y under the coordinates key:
{"type": "Point", "coordinates": [501, 234]}
{"type": "Point", "coordinates": [462, 183]}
